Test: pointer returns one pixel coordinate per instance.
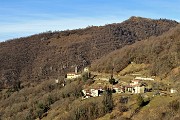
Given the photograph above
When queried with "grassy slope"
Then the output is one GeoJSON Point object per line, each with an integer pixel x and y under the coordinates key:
{"type": "Point", "coordinates": [159, 108]}
{"type": "Point", "coordinates": [134, 68]}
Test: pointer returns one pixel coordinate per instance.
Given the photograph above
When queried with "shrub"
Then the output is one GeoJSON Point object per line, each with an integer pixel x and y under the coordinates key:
{"type": "Point", "coordinates": [174, 105]}
{"type": "Point", "coordinates": [85, 76]}
{"type": "Point", "coordinates": [123, 100]}
{"type": "Point", "coordinates": [122, 108]}
{"type": "Point", "coordinates": [112, 81]}
{"type": "Point", "coordinates": [140, 101]}
{"type": "Point", "coordinates": [41, 109]}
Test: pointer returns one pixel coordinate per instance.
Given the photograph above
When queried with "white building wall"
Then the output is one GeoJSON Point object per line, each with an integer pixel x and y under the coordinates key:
{"type": "Point", "coordinates": [173, 91]}
{"type": "Point", "coordinates": [73, 76]}
{"type": "Point", "coordinates": [141, 78]}
{"type": "Point", "coordinates": [139, 89]}
{"type": "Point", "coordinates": [94, 92]}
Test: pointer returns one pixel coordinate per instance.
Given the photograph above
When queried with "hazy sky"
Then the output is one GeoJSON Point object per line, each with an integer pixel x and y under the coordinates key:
{"type": "Point", "coordinates": [20, 18]}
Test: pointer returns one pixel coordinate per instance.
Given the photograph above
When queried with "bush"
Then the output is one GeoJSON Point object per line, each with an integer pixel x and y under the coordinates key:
{"type": "Point", "coordinates": [174, 105]}
{"type": "Point", "coordinates": [112, 81]}
{"type": "Point", "coordinates": [140, 101]}
{"type": "Point", "coordinates": [85, 76]}
{"type": "Point", "coordinates": [41, 109]}
{"type": "Point", "coordinates": [123, 108]}
{"type": "Point", "coordinates": [123, 100]}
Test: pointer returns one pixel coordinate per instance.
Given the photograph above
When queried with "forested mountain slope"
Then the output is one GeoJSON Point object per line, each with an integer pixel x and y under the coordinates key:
{"type": "Point", "coordinates": [161, 53]}
{"type": "Point", "coordinates": [50, 54]}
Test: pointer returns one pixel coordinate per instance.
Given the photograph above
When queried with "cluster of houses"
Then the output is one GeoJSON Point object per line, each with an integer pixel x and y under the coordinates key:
{"type": "Point", "coordinates": [134, 87]}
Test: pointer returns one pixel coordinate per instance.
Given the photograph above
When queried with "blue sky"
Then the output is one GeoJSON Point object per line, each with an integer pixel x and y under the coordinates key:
{"type": "Point", "coordinates": [19, 18]}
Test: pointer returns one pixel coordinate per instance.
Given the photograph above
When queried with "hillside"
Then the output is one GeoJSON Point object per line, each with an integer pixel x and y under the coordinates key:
{"type": "Point", "coordinates": [50, 101]}
{"type": "Point", "coordinates": [161, 54]}
{"type": "Point", "coordinates": [51, 54]}
{"type": "Point", "coordinates": [31, 65]}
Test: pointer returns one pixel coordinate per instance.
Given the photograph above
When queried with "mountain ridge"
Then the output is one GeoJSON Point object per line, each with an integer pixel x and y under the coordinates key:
{"type": "Point", "coordinates": [51, 54]}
